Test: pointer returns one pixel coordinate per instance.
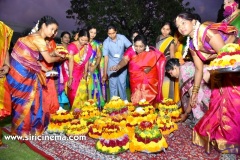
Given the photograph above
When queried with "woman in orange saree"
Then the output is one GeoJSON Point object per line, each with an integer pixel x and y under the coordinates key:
{"type": "Point", "coordinates": [26, 81]}
{"type": "Point", "coordinates": [146, 70]}
{"type": "Point", "coordinates": [220, 126]}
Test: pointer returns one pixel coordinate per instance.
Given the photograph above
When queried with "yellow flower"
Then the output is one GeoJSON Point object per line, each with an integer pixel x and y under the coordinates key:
{"type": "Point", "coordinates": [143, 135]}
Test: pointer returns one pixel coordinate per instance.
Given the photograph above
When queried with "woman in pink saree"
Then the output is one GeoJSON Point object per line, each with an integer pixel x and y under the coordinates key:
{"type": "Point", "coordinates": [79, 53]}
{"type": "Point", "coordinates": [220, 126]}
{"type": "Point", "coordinates": [146, 70]}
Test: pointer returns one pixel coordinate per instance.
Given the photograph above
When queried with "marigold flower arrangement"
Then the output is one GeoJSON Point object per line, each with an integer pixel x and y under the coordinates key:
{"type": "Point", "coordinates": [96, 129]}
{"type": "Point", "coordinates": [59, 121]}
{"type": "Point", "coordinates": [114, 140]}
{"type": "Point", "coordinates": [147, 138]}
{"type": "Point", "coordinates": [62, 50]}
{"type": "Point", "coordinates": [228, 56]}
{"type": "Point", "coordinates": [166, 125]}
{"type": "Point", "coordinates": [170, 108]}
{"type": "Point", "coordinates": [131, 107]}
{"type": "Point", "coordinates": [116, 106]}
{"type": "Point", "coordinates": [77, 127]}
{"type": "Point", "coordinates": [90, 113]}
{"type": "Point", "coordinates": [140, 114]}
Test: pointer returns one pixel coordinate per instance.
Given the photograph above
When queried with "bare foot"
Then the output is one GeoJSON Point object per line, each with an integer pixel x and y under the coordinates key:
{"type": "Point", "coordinates": [183, 117]}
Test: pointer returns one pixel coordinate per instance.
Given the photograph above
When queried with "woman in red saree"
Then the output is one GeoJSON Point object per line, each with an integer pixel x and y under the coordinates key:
{"type": "Point", "coordinates": [79, 53]}
{"type": "Point", "coordinates": [220, 126]}
{"type": "Point", "coordinates": [146, 70]}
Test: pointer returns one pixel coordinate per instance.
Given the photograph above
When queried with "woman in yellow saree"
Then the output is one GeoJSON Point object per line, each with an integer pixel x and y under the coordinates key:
{"type": "Point", "coordinates": [165, 44]}
{"type": "Point", "coordinates": [5, 100]}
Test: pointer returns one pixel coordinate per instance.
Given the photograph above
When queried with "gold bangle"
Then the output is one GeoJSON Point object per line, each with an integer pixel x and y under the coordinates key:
{"type": "Point", "coordinates": [195, 86]}
{"type": "Point", "coordinates": [194, 91]}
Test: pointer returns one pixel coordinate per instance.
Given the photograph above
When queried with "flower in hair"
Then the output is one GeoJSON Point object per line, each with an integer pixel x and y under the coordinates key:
{"type": "Point", "coordinates": [35, 29]}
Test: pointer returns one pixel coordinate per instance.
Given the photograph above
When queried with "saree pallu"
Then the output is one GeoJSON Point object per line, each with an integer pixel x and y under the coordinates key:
{"type": "Point", "coordinates": [146, 85]}
{"type": "Point", "coordinates": [29, 114]}
{"type": "Point", "coordinates": [220, 126]}
{"type": "Point", "coordinates": [234, 20]}
{"type": "Point", "coordinates": [186, 78]}
{"type": "Point", "coordinates": [78, 71]}
{"type": "Point", "coordinates": [50, 102]}
{"type": "Point", "coordinates": [94, 83]}
{"type": "Point", "coordinates": [103, 85]}
{"type": "Point", "coordinates": [205, 31]}
{"type": "Point", "coordinates": [168, 84]}
{"type": "Point", "coordinates": [25, 85]}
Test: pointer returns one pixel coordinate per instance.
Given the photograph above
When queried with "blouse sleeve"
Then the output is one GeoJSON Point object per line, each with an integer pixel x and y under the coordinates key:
{"type": "Point", "coordinates": [129, 53]}
{"type": "Point", "coordinates": [72, 49]}
{"type": "Point", "coordinates": [40, 43]}
{"type": "Point", "coordinates": [210, 34]}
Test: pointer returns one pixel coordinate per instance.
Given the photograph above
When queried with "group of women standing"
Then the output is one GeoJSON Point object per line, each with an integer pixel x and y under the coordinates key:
{"type": "Point", "coordinates": [217, 109]}
{"type": "Point", "coordinates": [33, 93]}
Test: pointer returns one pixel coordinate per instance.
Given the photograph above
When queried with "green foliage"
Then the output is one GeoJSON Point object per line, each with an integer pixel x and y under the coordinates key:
{"type": "Point", "coordinates": [146, 16]}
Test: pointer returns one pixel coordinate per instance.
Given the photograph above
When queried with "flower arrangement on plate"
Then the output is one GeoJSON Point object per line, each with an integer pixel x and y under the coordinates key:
{"type": "Point", "coordinates": [59, 121]}
{"type": "Point", "coordinates": [148, 138]}
{"type": "Point", "coordinates": [169, 107]}
{"type": "Point", "coordinates": [114, 140]}
{"type": "Point", "coordinates": [228, 57]}
{"type": "Point", "coordinates": [166, 125]}
{"type": "Point", "coordinates": [96, 129]}
{"type": "Point", "coordinates": [90, 113]}
{"type": "Point", "coordinates": [77, 127]}
{"type": "Point", "coordinates": [115, 106]}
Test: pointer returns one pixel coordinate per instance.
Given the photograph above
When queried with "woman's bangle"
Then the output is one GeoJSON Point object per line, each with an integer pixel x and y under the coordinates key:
{"type": "Point", "coordinates": [195, 86]}
{"type": "Point", "coordinates": [195, 89]}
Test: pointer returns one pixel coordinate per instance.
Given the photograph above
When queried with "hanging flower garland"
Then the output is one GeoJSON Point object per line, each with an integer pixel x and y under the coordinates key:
{"type": "Point", "coordinates": [197, 25]}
